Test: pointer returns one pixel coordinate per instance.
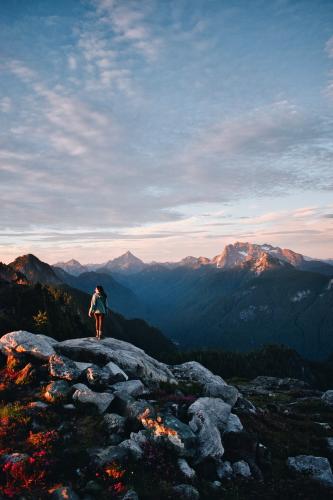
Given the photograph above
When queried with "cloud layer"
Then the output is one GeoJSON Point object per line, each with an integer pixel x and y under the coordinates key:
{"type": "Point", "coordinates": [135, 118]}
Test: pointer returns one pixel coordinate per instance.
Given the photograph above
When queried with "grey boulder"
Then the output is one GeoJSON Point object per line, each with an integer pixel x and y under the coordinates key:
{"type": "Point", "coordinates": [63, 368]}
{"type": "Point", "coordinates": [132, 360]}
{"type": "Point", "coordinates": [212, 385]}
{"type": "Point", "coordinates": [85, 396]}
{"type": "Point", "coordinates": [217, 410]}
{"type": "Point", "coordinates": [241, 469]}
{"type": "Point", "coordinates": [29, 343]}
{"type": "Point", "coordinates": [318, 468]}
{"type": "Point", "coordinates": [327, 397]}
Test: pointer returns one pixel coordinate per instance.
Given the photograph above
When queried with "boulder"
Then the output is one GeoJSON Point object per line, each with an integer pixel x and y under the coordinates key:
{"type": "Point", "coordinates": [327, 397]}
{"type": "Point", "coordinates": [217, 410]}
{"type": "Point", "coordinates": [85, 396]}
{"type": "Point", "coordinates": [57, 391]}
{"type": "Point", "coordinates": [234, 424]}
{"type": "Point", "coordinates": [108, 454]}
{"type": "Point", "coordinates": [317, 468]}
{"type": "Point", "coordinates": [132, 387]}
{"type": "Point", "coordinates": [127, 406]}
{"type": "Point", "coordinates": [185, 492]}
{"type": "Point", "coordinates": [140, 437]}
{"type": "Point", "coordinates": [184, 440]}
{"type": "Point", "coordinates": [97, 377]}
{"type": "Point", "coordinates": [22, 341]}
{"type": "Point", "coordinates": [241, 469]}
{"type": "Point", "coordinates": [132, 360]}
{"type": "Point", "coordinates": [212, 385]}
{"type": "Point", "coordinates": [133, 448]}
{"type": "Point", "coordinates": [64, 368]}
{"type": "Point", "coordinates": [114, 423]}
{"type": "Point", "coordinates": [209, 438]}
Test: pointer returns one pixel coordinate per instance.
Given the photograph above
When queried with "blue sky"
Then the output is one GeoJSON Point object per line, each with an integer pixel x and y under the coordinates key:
{"type": "Point", "coordinates": [167, 127]}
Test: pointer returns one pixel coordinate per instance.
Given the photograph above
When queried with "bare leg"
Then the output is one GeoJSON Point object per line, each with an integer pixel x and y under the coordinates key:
{"type": "Point", "coordinates": [101, 324]}
{"type": "Point", "coordinates": [97, 325]}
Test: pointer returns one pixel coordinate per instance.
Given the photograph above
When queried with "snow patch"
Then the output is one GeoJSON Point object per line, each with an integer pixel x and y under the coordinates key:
{"type": "Point", "coordinates": [330, 284]}
{"type": "Point", "coordinates": [243, 253]}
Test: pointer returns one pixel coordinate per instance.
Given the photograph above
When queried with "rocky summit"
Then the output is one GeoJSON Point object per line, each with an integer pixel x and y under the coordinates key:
{"type": "Point", "coordinates": [87, 419]}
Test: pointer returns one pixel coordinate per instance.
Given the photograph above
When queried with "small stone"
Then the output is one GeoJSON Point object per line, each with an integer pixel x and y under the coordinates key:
{"type": "Point", "coordinates": [224, 470]}
{"type": "Point", "coordinates": [242, 469]}
{"type": "Point", "coordinates": [38, 405]}
{"type": "Point", "coordinates": [185, 469]}
{"type": "Point", "coordinates": [69, 407]}
{"type": "Point", "coordinates": [14, 458]}
{"type": "Point", "coordinates": [64, 493]}
{"type": "Point", "coordinates": [130, 495]}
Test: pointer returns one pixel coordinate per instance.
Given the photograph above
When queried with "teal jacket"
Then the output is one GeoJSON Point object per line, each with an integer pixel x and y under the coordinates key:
{"type": "Point", "coordinates": [98, 304]}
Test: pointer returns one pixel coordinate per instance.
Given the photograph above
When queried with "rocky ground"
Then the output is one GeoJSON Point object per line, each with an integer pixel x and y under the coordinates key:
{"type": "Point", "coordinates": [82, 419]}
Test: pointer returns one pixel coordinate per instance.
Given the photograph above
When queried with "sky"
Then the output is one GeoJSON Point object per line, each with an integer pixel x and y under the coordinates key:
{"type": "Point", "coordinates": [165, 127]}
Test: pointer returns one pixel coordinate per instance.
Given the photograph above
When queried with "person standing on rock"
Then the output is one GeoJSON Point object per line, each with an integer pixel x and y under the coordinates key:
{"type": "Point", "coordinates": [99, 309]}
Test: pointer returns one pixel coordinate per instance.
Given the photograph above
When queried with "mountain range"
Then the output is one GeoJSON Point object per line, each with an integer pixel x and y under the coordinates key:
{"type": "Point", "coordinates": [245, 297]}
{"type": "Point", "coordinates": [231, 256]}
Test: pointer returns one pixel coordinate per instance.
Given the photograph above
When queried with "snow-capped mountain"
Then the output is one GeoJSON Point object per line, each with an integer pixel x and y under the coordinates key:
{"type": "Point", "coordinates": [72, 267]}
{"type": "Point", "coordinates": [236, 254]}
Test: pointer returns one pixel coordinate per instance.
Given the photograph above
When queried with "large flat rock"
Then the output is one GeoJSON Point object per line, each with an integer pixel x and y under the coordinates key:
{"type": "Point", "coordinates": [21, 341]}
{"type": "Point", "coordinates": [132, 360]}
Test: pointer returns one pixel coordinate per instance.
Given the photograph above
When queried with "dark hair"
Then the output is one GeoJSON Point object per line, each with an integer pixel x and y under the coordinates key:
{"type": "Point", "coordinates": [101, 291]}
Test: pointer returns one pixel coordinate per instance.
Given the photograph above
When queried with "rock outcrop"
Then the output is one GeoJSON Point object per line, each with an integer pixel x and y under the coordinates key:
{"type": "Point", "coordinates": [107, 416]}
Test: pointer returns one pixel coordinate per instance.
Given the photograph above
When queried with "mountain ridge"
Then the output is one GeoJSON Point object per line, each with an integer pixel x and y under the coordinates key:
{"type": "Point", "coordinates": [232, 255]}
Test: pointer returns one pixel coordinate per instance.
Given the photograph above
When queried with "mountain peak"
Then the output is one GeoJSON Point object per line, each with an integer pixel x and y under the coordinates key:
{"type": "Point", "coordinates": [72, 266]}
{"type": "Point", "coordinates": [126, 262]}
{"type": "Point", "coordinates": [35, 269]}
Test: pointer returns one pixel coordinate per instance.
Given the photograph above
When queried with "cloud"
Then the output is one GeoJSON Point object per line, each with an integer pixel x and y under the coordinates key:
{"type": "Point", "coordinates": [5, 104]}
{"type": "Point", "coordinates": [130, 24]}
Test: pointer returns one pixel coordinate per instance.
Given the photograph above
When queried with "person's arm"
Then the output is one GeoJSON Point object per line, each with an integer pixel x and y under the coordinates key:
{"type": "Point", "coordinates": [92, 305]}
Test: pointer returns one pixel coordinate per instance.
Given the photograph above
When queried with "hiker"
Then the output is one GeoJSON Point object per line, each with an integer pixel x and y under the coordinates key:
{"type": "Point", "coordinates": [99, 309]}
